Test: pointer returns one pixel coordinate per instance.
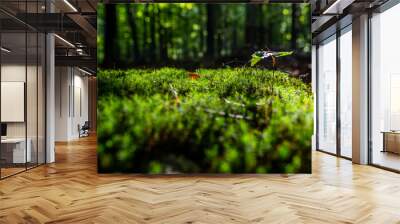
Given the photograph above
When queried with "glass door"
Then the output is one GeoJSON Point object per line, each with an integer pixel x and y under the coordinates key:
{"type": "Point", "coordinates": [327, 95]}
{"type": "Point", "coordinates": [385, 89]}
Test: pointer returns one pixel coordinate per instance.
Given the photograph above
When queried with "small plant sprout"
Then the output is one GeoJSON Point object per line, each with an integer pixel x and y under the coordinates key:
{"type": "Point", "coordinates": [262, 55]}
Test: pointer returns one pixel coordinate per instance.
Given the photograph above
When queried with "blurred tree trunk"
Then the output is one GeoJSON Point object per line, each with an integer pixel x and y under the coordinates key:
{"type": "Point", "coordinates": [153, 49]}
{"type": "Point", "coordinates": [261, 32]}
{"type": "Point", "coordinates": [170, 33]}
{"type": "Point", "coordinates": [234, 39]}
{"type": "Point", "coordinates": [201, 31]}
{"type": "Point", "coordinates": [162, 42]}
{"type": "Point", "coordinates": [110, 36]}
{"type": "Point", "coordinates": [218, 31]}
{"type": "Point", "coordinates": [266, 24]}
{"type": "Point", "coordinates": [251, 20]}
{"type": "Point", "coordinates": [144, 37]}
{"type": "Point", "coordinates": [295, 26]}
{"type": "Point", "coordinates": [186, 33]}
{"type": "Point", "coordinates": [219, 44]}
{"type": "Point", "coordinates": [224, 32]}
{"type": "Point", "coordinates": [270, 26]}
{"type": "Point", "coordinates": [210, 30]}
{"type": "Point", "coordinates": [132, 23]}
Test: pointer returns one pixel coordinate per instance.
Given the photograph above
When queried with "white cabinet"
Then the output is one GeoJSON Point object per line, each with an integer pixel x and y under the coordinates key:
{"type": "Point", "coordinates": [19, 155]}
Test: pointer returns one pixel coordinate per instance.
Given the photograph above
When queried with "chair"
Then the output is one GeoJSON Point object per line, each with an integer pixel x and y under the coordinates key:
{"type": "Point", "coordinates": [84, 130]}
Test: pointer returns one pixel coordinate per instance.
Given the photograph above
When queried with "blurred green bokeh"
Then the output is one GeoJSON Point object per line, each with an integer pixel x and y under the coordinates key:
{"type": "Point", "coordinates": [193, 35]}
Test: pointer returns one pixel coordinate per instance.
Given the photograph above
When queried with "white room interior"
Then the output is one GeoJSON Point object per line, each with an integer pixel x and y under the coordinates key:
{"type": "Point", "coordinates": [43, 43]}
{"type": "Point", "coordinates": [72, 102]}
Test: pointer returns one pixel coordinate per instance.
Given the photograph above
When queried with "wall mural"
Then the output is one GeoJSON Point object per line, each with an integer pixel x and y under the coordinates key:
{"type": "Point", "coordinates": [204, 88]}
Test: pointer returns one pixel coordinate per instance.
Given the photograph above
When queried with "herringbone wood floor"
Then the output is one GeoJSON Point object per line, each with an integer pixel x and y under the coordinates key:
{"type": "Point", "coordinates": [70, 191]}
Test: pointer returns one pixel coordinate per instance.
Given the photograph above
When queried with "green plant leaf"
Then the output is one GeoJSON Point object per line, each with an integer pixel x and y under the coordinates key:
{"type": "Point", "coordinates": [260, 55]}
{"type": "Point", "coordinates": [255, 59]}
{"type": "Point", "coordinates": [283, 53]}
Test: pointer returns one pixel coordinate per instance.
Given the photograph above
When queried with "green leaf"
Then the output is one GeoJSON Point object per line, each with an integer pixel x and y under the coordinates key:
{"type": "Point", "coordinates": [255, 59]}
{"type": "Point", "coordinates": [283, 53]}
{"type": "Point", "coordinates": [259, 55]}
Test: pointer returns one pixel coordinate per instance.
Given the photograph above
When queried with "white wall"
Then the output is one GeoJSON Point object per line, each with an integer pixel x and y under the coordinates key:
{"type": "Point", "coordinates": [71, 102]}
{"type": "Point", "coordinates": [80, 102]}
{"type": "Point", "coordinates": [62, 82]}
{"type": "Point", "coordinates": [33, 127]}
{"type": "Point", "coordinates": [12, 73]}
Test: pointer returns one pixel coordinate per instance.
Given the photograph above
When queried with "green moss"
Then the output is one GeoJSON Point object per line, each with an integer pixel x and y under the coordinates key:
{"type": "Point", "coordinates": [228, 120]}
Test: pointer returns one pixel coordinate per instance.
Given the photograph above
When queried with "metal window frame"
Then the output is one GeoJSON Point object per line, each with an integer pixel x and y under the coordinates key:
{"type": "Point", "coordinates": [339, 27]}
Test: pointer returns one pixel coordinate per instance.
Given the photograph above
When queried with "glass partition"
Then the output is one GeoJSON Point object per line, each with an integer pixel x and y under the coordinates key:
{"type": "Point", "coordinates": [327, 95]}
{"type": "Point", "coordinates": [22, 92]}
{"type": "Point", "coordinates": [346, 92]}
{"type": "Point", "coordinates": [35, 89]}
{"type": "Point", "coordinates": [15, 152]}
{"type": "Point", "coordinates": [385, 89]}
